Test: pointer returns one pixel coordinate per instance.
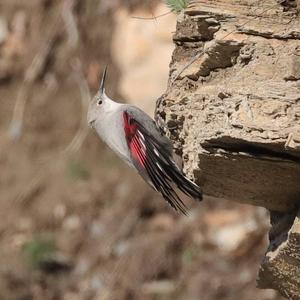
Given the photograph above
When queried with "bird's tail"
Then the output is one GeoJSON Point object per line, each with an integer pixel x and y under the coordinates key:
{"type": "Point", "coordinates": [187, 186]}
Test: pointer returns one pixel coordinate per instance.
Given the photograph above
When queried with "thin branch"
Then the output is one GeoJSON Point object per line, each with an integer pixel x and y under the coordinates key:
{"type": "Point", "coordinates": [154, 17]}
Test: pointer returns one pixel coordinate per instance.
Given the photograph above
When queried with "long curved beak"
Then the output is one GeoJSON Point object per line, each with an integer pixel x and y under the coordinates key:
{"type": "Point", "coordinates": [102, 88]}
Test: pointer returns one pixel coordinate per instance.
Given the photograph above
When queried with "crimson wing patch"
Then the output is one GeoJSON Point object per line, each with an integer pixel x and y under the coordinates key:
{"type": "Point", "coordinates": [134, 140]}
{"type": "Point", "coordinates": [156, 165]}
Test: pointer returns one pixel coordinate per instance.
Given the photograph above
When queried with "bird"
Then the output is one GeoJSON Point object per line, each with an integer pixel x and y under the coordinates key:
{"type": "Point", "coordinates": [135, 138]}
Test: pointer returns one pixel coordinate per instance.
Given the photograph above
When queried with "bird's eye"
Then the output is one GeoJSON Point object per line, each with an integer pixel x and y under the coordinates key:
{"type": "Point", "coordinates": [99, 102]}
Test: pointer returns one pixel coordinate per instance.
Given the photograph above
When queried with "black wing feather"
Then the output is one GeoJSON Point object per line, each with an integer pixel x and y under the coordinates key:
{"type": "Point", "coordinates": [158, 167]}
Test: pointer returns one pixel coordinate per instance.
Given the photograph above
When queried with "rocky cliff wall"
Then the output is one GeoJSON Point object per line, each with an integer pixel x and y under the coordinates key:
{"type": "Point", "coordinates": [232, 110]}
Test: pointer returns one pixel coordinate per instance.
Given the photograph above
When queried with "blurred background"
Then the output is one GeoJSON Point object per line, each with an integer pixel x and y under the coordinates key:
{"type": "Point", "coordinates": [76, 223]}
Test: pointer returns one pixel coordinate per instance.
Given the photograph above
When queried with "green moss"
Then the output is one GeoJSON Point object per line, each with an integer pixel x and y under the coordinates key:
{"type": "Point", "coordinates": [76, 170]}
{"type": "Point", "coordinates": [38, 250]}
{"type": "Point", "coordinates": [189, 255]}
{"type": "Point", "coordinates": [177, 5]}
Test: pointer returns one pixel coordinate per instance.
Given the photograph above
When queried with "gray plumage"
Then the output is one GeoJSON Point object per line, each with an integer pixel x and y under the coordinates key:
{"type": "Point", "coordinates": [133, 135]}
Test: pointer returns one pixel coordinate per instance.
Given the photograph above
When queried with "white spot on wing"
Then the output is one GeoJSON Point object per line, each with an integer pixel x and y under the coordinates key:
{"type": "Point", "coordinates": [156, 152]}
{"type": "Point", "coordinates": [143, 144]}
{"type": "Point", "coordinates": [141, 136]}
{"type": "Point", "coordinates": [142, 139]}
{"type": "Point", "coordinates": [159, 166]}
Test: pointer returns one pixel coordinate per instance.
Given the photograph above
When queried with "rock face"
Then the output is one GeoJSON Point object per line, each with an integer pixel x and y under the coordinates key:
{"type": "Point", "coordinates": [281, 266]}
{"type": "Point", "coordinates": [232, 109]}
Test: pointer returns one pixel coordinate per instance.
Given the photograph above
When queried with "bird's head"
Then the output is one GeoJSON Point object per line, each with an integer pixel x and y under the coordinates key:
{"type": "Point", "coordinates": [98, 104]}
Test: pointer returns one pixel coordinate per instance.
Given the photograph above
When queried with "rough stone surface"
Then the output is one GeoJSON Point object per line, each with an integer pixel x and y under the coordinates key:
{"type": "Point", "coordinates": [234, 114]}
{"type": "Point", "coordinates": [280, 268]}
